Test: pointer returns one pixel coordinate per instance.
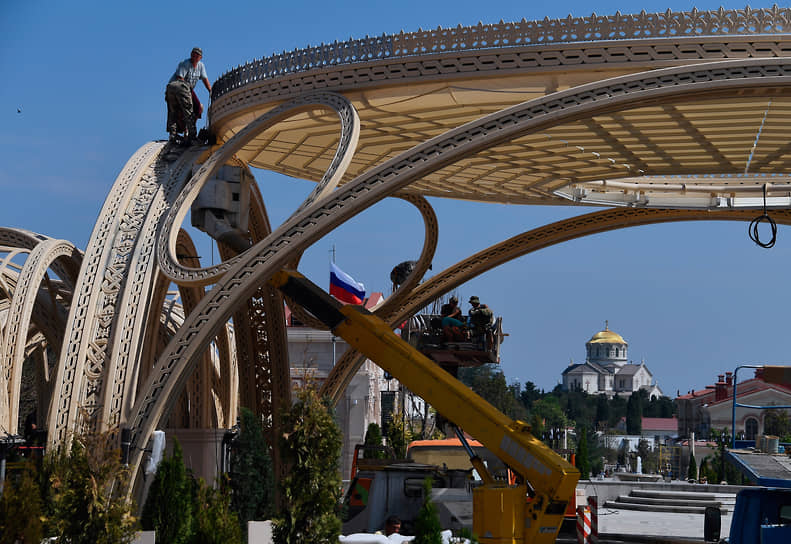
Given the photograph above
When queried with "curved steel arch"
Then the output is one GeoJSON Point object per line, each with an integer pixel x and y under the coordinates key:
{"type": "Point", "coordinates": [350, 130]}
{"type": "Point", "coordinates": [25, 296]}
{"type": "Point", "coordinates": [97, 368]}
{"type": "Point", "coordinates": [766, 77]}
{"type": "Point", "coordinates": [518, 246]}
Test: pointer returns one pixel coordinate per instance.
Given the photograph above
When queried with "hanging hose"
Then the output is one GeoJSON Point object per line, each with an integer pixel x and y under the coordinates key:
{"type": "Point", "coordinates": [755, 223]}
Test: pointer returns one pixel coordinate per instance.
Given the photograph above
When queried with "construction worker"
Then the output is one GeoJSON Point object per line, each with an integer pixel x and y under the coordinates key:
{"type": "Point", "coordinates": [451, 313]}
{"type": "Point", "coordinates": [184, 108]}
{"type": "Point", "coordinates": [481, 319]}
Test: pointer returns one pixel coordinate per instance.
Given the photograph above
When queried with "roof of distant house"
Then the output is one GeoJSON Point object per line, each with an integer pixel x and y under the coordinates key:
{"type": "Point", "coordinates": [743, 388]}
{"type": "Point", "coordinates": [660, 423]}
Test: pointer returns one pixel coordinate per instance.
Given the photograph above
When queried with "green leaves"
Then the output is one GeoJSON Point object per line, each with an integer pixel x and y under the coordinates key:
{"type": "Point", "coordinates": [250, 478]}
{"type": "Point", "coordinates": [427, 527]}
{"type": "Point", "coordinates": [312, 485]}
{"type": "Point", "coordinates": [168, 509]}
{"type": "Point", "coordinates": [88, 503]}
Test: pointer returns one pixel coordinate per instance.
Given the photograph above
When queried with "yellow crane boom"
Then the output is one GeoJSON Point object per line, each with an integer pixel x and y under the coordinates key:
{"type": "Point", "coordinates": [501, 513]}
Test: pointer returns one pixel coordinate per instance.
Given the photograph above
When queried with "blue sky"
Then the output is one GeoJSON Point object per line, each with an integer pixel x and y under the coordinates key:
{"type": "Point", "coordinates": [692, 300]}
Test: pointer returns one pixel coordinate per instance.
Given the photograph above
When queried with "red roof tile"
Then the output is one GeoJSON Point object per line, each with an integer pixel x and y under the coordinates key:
{"type": "Point", "coordinates": [660, 423]}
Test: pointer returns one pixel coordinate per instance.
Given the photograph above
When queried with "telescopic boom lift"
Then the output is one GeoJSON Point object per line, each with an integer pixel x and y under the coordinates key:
{"type": "Point", "coordinates": [529, 512]}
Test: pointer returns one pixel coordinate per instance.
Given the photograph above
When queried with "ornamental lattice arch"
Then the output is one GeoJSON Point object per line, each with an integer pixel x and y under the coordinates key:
{"type": "Point", "coordinates": [661, 117]}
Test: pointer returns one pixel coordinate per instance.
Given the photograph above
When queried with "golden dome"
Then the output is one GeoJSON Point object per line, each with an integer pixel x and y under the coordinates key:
{"type": "Point", "coordinates": [606, 337]}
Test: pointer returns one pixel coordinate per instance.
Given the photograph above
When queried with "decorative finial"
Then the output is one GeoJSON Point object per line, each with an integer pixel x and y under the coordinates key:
{"type": "Point", "coordinates": [606, 324]}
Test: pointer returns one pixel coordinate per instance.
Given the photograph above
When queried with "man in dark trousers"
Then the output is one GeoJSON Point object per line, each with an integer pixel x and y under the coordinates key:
{"type": "Point", "coordinates": [184, 108]}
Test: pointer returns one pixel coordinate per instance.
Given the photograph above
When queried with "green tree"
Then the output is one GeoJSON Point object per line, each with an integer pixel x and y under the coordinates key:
{"type": "Point", "coordinates": [215, 522]}
{"type": "Point", "coordinates": [692, 470]}
{"type": "Point", "coordinates": [427, 527]}
{"type": "Point", "coordinates": [548, 413]}
{"type": "Point", "coordinates": [398, 434]}
{"type": "Point", "coordinates": [720, 468]}
{"type": "Point", "coordinates": [88, 493]}
{"type": "Point", "coordinates": [659, 407]}
{"type": "Point", "coordinates": [618, 409]}
{"type": "Point", "coordinates": [21, 508]}
{"type": "Point", "coordinates": [704, 471]}
{"type": "Point", "coordinates": [776, 422]}
{"type": "Point", "coordinates": [530, 394]}
{"type": "Point", "coordinates": [373, 440]}
{"type": "Point", "coordinates": [168, 510]}
{"type": "Point", "coordinates": [634, 415]}
{"type": "Point", "coordinates": [312, 487]}
{"type": "Point", "coordinates": [490, 383]}
{"type": "Point", "coordinates": [602, 412]}
{"type": "Point", "coordinates": [582, 459]}
{"type": "Point", "coordinates": [250, 479]}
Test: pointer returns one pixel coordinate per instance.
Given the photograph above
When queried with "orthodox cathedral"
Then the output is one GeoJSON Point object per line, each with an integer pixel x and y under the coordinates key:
{"type": "Point", "coordinates": [607, 369]}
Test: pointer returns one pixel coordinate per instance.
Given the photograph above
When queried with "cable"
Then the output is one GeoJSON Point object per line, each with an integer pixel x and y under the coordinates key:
{"type": "Point", "coordinates": [755, 223]}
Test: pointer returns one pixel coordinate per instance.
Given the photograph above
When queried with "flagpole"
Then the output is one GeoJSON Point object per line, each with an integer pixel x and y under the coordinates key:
{"type": "Point", "coordinates": [332, 251]}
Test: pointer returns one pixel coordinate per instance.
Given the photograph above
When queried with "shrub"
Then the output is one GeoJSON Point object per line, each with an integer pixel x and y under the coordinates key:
{"type": "Point", "coordinates": [312, 487]}
{"type": "Point", "coordinates": [88, 485]}
{"type": "Point", "coordinates": [427, 527]}
{"type": "Point", "coordinates": [692, 470]}
{"type": "Point", "coordinates": [20, 508]}
{"type": "Point", "coordinates": [250, 478]}
{"type": "Point", "coordinates": [215, 522]}
{"type": "Point", "coordinates": [168, 510]}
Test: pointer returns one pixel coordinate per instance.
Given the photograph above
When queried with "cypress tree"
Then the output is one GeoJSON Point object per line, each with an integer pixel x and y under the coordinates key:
{"type": "Point", "coordinates": [250, 479]}
{"type": "Point", "coordinates": [634, 415]}
{"type": "Point", "coordinates": [582, 461]}
{"type": "Point", "coordinates": [373, 437]}
{"type": "Point", "coordinates": [169, 507]}
{"type": "Point", "coordinates": [311, 489]}
{"type": "Point", "coordinates": [692, 471]}
{"type": "Point", "coordinates": [427, 527]}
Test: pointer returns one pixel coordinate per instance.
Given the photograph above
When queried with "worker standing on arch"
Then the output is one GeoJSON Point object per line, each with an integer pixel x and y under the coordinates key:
{"type": "Point", "coordinates": [184, 108]}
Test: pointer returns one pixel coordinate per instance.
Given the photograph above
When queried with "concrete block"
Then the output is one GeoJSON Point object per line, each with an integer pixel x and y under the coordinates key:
{"type": "Point", "coordinates": [145, 537]}
{"type": "Point", "coordinates": [259, 532]}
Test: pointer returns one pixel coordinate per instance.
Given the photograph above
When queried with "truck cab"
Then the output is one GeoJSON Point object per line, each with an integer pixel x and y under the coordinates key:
{"type": "Point", "coordinates": [761, 514]}
{"type": "Point", "coordinates": [395, 487]}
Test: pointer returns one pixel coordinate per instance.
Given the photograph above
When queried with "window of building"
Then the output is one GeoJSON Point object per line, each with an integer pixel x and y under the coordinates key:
{"type": "Point", "coordinates": [751, 428]}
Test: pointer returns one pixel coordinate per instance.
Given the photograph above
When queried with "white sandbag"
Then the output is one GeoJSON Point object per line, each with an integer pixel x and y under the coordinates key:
{"type": "Point", "coordinates": [395, 537]}
{"type": "Point", "coordinates": [364, 538]}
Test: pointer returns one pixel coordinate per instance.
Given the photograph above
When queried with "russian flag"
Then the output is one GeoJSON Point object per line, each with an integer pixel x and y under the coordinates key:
{"type": "Point", "coordinates": [344, 288]}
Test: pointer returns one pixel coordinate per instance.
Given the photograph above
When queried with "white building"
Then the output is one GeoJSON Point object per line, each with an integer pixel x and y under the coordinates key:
{"type": "Point", "coordinates": [606, 369]}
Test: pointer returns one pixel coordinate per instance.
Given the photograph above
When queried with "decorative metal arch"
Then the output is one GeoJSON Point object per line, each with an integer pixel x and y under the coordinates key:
{"type": "Point", "coordinates": [766, 77]}
{"type": "Point", "coordinates": [518, 246]}
{"type": "Point", "coordinates": [114, 363]}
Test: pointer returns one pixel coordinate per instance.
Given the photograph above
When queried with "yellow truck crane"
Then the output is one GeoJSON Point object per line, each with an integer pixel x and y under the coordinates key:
{"type": "Point", "coordinates": [529, 512]}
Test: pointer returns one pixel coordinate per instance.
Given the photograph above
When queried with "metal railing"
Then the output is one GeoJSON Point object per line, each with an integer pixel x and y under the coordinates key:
{"type": "Point", "coordinates": [721, 22]}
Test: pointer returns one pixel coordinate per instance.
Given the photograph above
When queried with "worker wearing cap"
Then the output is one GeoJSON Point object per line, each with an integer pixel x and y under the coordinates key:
{"type": "Point", "coordinates": [184, 108]}
{"type": "Point", "coordinates": [481, 317]}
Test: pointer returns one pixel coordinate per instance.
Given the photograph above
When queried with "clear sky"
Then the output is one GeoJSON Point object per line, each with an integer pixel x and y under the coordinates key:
{"type": "Point", "coordinates": [692, 300]}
